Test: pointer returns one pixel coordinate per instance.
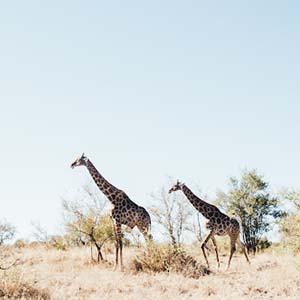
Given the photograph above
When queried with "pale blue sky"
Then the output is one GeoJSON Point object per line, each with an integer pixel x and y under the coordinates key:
{"type": "Point", "coordinates": [196, 90]}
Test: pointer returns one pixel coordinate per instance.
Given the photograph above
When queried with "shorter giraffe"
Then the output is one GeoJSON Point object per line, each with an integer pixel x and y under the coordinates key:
{"type": "Point", "coordinates": [124, 211]}
{"type": "Point", "coordinates": [218, 223]}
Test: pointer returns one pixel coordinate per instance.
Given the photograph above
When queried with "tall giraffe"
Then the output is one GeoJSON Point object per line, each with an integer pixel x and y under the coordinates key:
{"type": "Point", "coordinates": [124, 211]}
{"type": "Point", "coordinates": [218, 223]}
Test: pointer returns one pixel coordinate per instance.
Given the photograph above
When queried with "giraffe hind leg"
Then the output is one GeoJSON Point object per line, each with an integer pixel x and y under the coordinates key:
{"type": "Point", "coordinates": [243, 249]}
{"type": "Point", "coordinates": [216, 249]}
{"type": "Point", "coordinates": [233, 240]}
{"type": "Point", "coordinates": [121, 253]}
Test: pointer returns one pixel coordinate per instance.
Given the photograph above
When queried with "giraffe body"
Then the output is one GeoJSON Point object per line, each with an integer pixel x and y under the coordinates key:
{"type": "Point", "coordinates": [124, 211]}
{"type": "Point", "coordinates": [130, 214]}
{"type": "Point", "coordinates": [218, 223]}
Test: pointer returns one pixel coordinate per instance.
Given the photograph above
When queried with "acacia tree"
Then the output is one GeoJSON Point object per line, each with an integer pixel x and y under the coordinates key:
{"type": "Point", "coordinates": [86, 220]}
{"type": "Point", "coordinates": [250, 201]}
{"type": "Point", "coordinates": [172, 213]}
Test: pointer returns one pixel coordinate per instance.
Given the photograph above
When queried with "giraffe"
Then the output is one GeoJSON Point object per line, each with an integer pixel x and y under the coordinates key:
{"type": "Point", "coordinates": [218, 223]}
{"type": "Point", "coordinates": [124, 211]}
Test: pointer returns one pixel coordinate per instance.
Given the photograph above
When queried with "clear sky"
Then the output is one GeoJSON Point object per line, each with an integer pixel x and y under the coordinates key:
{"type": "Point", "coordinates": [196, 90]}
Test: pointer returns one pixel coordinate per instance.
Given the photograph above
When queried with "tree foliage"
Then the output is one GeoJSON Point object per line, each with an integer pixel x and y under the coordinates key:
{"type": "Point", "coordinates": [87, 222]}
{"type": "Point", "coordinates": [250, 201]}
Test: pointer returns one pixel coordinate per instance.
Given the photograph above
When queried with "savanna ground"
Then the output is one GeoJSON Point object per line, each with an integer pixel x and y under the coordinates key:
{"type": "Point", "coordinates": [71, 274]}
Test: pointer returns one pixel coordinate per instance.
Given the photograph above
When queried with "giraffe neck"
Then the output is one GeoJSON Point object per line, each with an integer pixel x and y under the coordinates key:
{"type": "Point", "coordinates": [203, 207]}
{"type": "Point", "coordinates": [109, 190]}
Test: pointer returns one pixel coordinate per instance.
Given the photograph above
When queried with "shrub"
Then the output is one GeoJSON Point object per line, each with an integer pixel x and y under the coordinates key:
{"type": "Point", "coordinates": [164, 258]}
{"type": "Point", "coordinates": [86, 222]}
{"type": "Point", "coordinates": [57, 242]}
{"type": "Point", "coordinates": [263, 244]}
{"type": "Point", "coordinates": [20, 243]}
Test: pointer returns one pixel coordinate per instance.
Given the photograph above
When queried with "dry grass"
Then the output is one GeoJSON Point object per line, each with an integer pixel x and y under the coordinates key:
{"type": "Point", "coordinates": [165, 258]}
{"type": "Point", "coordinates": [71, 275]}
{"type": "Point", "coordinates": [15, 285]}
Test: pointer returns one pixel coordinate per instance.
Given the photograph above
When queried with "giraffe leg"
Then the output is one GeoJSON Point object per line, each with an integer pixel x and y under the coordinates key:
{"type": "Point", "coordinates": [121, 253]}
{"type": "Point", "coordinates": [118, 240]}
{"type": "Point", "coordinates": [243, 249]}
{"type": "Point", "coordinates": [117, 256]}
{"type": "Point", "coordinates": [119, 244]}
{"type": "Point", "coordinates": [116, 246]}
{"type": "Point", "coordinates": [233, 240]}
{"type": "Point", "coordinates": [216, 249]}
{"type": "Point", "coordinates": [203, 245]}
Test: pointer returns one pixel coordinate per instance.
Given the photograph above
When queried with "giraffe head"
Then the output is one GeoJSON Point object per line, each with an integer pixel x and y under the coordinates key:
{"type": "Point", "coordinates": [177, 186]}
{"type": "Point", "coordinates": [80, 161]}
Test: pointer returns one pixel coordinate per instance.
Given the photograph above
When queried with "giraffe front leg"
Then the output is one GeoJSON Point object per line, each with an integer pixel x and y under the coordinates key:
{"type": "Point", "coordinates": [117, 256]}
{"type": "Point", "coordinates": [121, 254]}
{"type": "Point", "coordinates": [116, 225]}
{"type": "Point", "coordinates": [116, 247]}
{"type": "Point", "coordinates": [204, 244]}
{"type": "Point", "coordinates": [119, 245]}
